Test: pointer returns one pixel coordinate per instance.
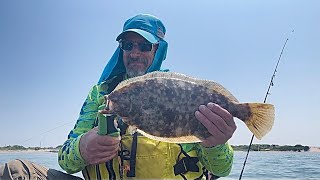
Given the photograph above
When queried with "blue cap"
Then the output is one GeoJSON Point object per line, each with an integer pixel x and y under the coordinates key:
{"type": "Point", "coordinates": [148, 26]}
{"type": "Point", "coordinates": [152, 29]}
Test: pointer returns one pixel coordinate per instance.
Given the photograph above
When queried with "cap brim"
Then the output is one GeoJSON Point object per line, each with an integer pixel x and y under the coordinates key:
{"type": "Point", "coordinates": [148, 36]}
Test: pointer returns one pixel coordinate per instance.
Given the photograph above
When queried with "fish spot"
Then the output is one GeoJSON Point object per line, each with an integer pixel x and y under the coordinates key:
{"type": "Point", "coordinates": [161, 123]}
{"type": "Point", "coordinates": [181, 84]}
{"type": "Point", "coordinates": [156, 133]}
{"type": "Point", "coordinates": [168, 115]}
{"type": "Point", "coordinates": [178, 131]}
{"type": "Point", "coordinates": [193, 96]}
{"type": "Point", "coordinates": [151, 99]}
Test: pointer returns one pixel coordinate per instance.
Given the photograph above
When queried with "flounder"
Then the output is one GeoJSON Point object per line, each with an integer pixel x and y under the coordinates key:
{"type": "Point", "coordinates": [161, 105]}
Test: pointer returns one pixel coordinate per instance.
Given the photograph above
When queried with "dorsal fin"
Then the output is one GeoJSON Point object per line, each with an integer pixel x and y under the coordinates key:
{"type": "Point", "coordinates": [216, 87]}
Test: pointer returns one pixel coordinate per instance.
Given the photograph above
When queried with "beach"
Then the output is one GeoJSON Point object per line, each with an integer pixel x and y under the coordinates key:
{"type": "Point", "coordinates": [314, 149]}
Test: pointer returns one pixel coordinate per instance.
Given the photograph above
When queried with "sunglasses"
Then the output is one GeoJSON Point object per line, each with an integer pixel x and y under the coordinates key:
{"type": "Point", "coordinates": [143, 46]}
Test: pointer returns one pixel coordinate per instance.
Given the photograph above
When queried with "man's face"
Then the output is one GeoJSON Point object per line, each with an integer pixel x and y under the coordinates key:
{"type": "Point", "coordinates": [136, 61]}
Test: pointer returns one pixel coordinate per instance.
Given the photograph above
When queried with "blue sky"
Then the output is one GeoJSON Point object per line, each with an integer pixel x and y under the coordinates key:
{"type": "Point", "coordinates": [53, 52]}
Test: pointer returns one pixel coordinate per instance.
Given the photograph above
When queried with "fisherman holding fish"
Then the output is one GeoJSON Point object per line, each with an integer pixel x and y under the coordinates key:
{"type": "Point", "coordinates": [142, 49]}
{"type": "Point", "coordinates": [162, 134]}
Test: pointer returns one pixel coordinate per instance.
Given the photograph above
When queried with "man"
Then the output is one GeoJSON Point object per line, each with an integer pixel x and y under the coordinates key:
{"type": "Point", "coordinates": [142, 49]}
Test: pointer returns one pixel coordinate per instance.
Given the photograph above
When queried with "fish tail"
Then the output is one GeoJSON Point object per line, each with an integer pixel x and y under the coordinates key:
{"type": "Point", "coordinates": [260, 119]}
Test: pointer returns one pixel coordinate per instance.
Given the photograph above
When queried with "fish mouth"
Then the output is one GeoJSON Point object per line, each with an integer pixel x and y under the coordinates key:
{"type": "Point", "coordinates": [110, 106]}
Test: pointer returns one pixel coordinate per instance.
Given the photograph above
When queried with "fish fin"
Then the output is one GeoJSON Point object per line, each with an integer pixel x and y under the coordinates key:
{"type": "Point", "coordinates": [126, 82]}
{"type": "Point", "coordinates": [182, 139]}
{"type": "Point", "coordinates": [206, 83]}
{"type": "Point", "coordinates": [261, 120]}
{"type": "Point", "coordinates": [216, 87]}
{"type": "Point", "coordinates": [131, 129]}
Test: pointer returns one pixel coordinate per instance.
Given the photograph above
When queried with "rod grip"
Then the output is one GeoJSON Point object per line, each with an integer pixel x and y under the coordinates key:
{"type": "Point", "coordinates": [106, 125]}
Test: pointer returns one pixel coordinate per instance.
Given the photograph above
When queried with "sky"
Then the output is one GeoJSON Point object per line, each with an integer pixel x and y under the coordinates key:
{"type": "Point", "coordinates": [53, 52]}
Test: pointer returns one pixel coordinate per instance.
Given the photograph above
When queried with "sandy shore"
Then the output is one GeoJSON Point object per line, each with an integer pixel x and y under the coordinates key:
{"type": "Point", "coordinates": [314, 149]}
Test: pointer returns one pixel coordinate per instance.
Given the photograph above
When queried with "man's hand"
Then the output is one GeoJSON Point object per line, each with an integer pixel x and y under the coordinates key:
{"type": "Point", "coordinates": [219, 123]}
{"type": "Point", "coordinates": [96, 149]}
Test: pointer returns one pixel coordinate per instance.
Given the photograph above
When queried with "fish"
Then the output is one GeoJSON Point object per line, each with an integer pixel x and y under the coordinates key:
{"type": "Point", "coordinates": [161, 106]}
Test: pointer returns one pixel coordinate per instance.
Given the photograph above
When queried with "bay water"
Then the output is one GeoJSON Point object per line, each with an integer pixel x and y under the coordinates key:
{"type": "Point", "coordinates": [260, 165]}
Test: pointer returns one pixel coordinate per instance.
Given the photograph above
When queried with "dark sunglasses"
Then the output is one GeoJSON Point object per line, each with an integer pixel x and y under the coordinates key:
{"type": "Point", "coordinates": [128, 46]}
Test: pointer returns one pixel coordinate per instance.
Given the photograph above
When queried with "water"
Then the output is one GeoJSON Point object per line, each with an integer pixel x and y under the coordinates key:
{"type": "Point", "coordinates": [260, 165]}
{"type": "Point", "coordinates": [46, 159]}
{"type": "Point", "coordinates": [277, 165]}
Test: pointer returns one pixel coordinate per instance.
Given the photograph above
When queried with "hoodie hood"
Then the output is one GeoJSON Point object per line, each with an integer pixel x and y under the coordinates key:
{"type": "Point", "coordinates": [149, 27]}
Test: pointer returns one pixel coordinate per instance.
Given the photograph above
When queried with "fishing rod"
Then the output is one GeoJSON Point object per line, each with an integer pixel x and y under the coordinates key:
{"type": "Point", "coordinates": [265, 100]}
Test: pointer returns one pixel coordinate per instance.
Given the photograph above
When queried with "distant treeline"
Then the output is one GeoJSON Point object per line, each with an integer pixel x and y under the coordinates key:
{"type": "Point", "coordinates": [18, 147]}
{"type": "Point", "coordinates": [254, 147]}
{"type": "Point", "coordinates": [268, 147]}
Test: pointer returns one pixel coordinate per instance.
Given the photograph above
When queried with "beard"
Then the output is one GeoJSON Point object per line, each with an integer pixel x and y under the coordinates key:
{"type": "Point", "coordinates": [134, 70]}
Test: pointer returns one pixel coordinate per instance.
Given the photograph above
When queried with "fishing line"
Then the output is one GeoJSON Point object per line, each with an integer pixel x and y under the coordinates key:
{"type": "Point", "coordinates": [265, 100]}
{"type": "Point", "coordinates": [46, 131]}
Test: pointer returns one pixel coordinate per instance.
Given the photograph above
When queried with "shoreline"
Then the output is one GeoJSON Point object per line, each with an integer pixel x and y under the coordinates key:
{"type": "Point", "coordinates": [312, 149]}
{"type": "Point", "coordinates": [29, 151]}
